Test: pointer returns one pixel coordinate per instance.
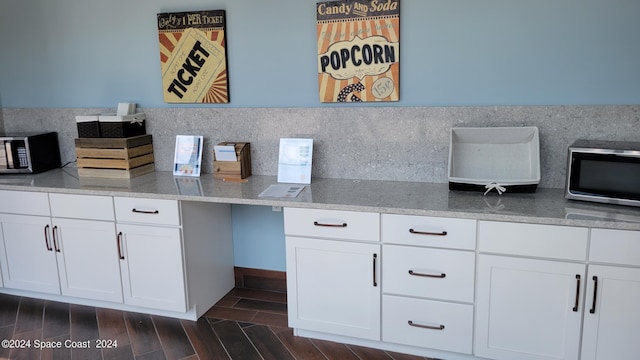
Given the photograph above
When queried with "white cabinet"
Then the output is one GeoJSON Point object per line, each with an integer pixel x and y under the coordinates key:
{"type": "Point", "coordinates": [150, 253]}
{"type": "Point", "coordinates": [83, 233]}
{"type": "Point", "coordinates": [87, 259]}
{"type": "Point", "coordinates": [152, 267]}
{"type": "Point", "coordinates": [529, 308]}
{"type": "Point", "coordinates": [428, 282]}
{"type": "Point", "coordinates": [333, 281]}
{"type": "Point", "coordinates": [28, 259]}
{"type": "Point", "coordinates": [612, 316]}
{"type": "Point", "coordinates": [174, 256]}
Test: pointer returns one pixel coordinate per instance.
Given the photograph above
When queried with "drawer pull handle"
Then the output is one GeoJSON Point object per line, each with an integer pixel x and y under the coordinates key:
{"type": "Point", "coordinates": [46, 238]}
{"type": "Point", "coordinates": [145, 211]}
{"type": "Point", "coordinates": [575, 307]}
{"type": "Point", "coordinates": [119, 245]}
{"type": "Point", "coordinates": [315, 223]}
{"type": "Point", "coordinates": [441, 327]}
{"type": "Point", "coordinates": [55, 241]}
{"type": "Point", "coordinates": [440, 276]}
{"type": "Point", "coordinates": [442, 233]}
{"type": "Point", "coordinates": [374, 270]}
{"type": "Point", "coordinates": [595, 294]}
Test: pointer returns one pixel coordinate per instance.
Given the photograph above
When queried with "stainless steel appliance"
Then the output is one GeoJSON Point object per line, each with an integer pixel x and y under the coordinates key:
{"type": "Point", "coordinates": [29, 152]}
{"type": "Point", "coordinates": [604, 171]}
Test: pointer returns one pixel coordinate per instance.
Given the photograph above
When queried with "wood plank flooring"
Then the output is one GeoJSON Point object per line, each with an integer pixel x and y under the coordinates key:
{"type": "Point", "coordinates": [245, 325]}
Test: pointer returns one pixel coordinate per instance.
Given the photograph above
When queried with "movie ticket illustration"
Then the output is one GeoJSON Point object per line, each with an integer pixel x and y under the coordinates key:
{"type": "Point", "coordinates": [193, 57]}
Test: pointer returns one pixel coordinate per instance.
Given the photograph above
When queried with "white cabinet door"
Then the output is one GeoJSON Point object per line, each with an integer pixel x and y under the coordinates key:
{"type": "Point", "coordinates": [612, 315]}
{"type": "Point", "coordinates": [28, 257]}
{"type": "Point", "coordinates": [152, 267]}
{"type": "Point", "coordinates": [528, 309]}
{"type": "Point", "coordinates": [333, 286]}
{"type": "Point", "coordinates": [88, 259]}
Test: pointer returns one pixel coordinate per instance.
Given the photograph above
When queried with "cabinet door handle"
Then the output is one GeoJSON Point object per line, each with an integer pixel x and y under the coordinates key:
{"type": "Point", "coordinates": [440, 276]}
{"type": "Point", "coordinates": [575, 307]}
{"type": "Point", "coordinates": [119, 245]}
{"type": "Point", "coordinates": [55, 241]}
{"type": "Point", "coordinates": [442, 233]}
{"type": "Point", "coordinates": [46, 238]}
{"type": "Point", "coordinates": [315, 223]}
{"type": "Point", "coordinates": [145, 211]}
{"type": "Point", "coordinates": [439, 327]}
{"type": "Point", "coordinates": [595, 295]}
{"type": "Point", "coordinates": [375, 283]}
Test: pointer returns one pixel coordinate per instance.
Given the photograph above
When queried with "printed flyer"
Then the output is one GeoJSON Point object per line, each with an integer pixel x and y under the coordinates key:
{"type": "Point", "coordinates": [193, 57]}
{"type": "Point", "coordinates": [358, 50]}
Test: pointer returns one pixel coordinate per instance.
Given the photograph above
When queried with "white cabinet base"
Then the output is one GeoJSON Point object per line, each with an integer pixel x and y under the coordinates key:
{"type": "Point", "coordinates": [404, 349]}
{"type": "Point", "coordinates": [188, 315]}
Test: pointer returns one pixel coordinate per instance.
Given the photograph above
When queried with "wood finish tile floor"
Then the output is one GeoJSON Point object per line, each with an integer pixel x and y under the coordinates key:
{"type": "Point", "coordinates": [244, 325]}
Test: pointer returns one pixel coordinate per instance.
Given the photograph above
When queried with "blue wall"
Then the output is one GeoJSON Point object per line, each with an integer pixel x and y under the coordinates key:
{"type": "Point", "coordinates": [90, 53]}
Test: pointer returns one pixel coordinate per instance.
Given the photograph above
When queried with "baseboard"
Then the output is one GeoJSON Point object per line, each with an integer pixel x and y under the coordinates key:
{"type": "Point", "coordinates": [258, 279]}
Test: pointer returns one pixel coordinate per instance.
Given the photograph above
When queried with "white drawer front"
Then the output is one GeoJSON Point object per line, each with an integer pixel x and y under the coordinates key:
{"type": "Point", "coordinates": [24, 202]}
{"type": "Point", "coordinates": [147, 211]}
{"type": "Point", "coordinates": [549, 241]}
{"type": "Point", "coordinates": [82, 206]}
{"type": "Point", "coordinates": [434, 324]}
{"type": "Point", "coordinates": [429, 231]}
{"type": "Point", "coordinates": [430, 273]}
{"type": "Point", "coordinates": [615, 246]}
{"type": "Point", "coordinates": [351, 225]}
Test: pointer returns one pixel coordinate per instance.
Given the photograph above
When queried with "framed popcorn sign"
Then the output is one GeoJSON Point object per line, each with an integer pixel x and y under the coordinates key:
{"type": "Point", "coordinates": [193, 57]}
{"type": "Point", "coordinates": [358, 50]}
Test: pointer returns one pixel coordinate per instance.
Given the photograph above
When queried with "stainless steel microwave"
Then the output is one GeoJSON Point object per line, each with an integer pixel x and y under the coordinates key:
{"type": "Point", "coordinates": [604, 171]}
{"type": "Point", "coordinates": [29, 152]}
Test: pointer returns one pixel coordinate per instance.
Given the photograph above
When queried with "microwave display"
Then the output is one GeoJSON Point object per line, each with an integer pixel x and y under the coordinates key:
{"type": "Point", "coordinates": [607, 172]}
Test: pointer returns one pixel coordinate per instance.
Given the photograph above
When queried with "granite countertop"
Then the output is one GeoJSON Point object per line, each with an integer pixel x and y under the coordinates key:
{"type": "Point", "coordinates": [545, 206]}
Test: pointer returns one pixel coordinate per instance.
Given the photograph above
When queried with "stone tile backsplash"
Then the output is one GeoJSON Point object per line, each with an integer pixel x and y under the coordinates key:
{"type": "Point", "coordinates": [373, 143]}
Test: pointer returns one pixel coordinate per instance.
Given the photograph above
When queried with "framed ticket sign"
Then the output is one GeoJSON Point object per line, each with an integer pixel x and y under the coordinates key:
{"type": "Point", "coordinates": [193, 57]}
{"type": "Point", "coordinates": [358, 50]}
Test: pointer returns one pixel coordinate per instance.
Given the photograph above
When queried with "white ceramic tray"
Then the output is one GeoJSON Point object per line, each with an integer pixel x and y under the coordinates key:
{"type": "Point", "coordinates": [506, 156]}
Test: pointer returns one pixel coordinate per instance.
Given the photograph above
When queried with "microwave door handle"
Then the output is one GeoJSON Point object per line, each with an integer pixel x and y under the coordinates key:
{"type": "Point", "coordinates": [7, 146]}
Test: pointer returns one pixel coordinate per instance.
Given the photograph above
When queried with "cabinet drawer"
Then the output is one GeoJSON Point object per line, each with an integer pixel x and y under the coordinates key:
{"type": "Point", "coordinates": [549, 241]}
{"type": "Point", "coordinates": [434, 324]}
{"type": "Point", "coordinates": [615, 246]}
{"type": "Point", "coordinates": [351, 225]}
{"type": "Point", "coordinates": [430, 273]}
{"type": "Point", "coordinates": [429, 231]}
{"type": "Point", "coordinates": [24, 202]}
{"type": "Point", "coordinates": [82, 206]}
{"type": "Point", "coordinates": [147, 211]}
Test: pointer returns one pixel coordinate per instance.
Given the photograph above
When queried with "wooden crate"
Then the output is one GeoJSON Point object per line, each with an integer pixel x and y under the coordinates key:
{"type": "Point", "coordinates": [240, 169]}
{"type": "Point", "coordinates": [117, 158]}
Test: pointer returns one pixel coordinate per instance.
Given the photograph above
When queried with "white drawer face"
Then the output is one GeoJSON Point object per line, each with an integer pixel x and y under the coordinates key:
{"type": "Point", "coordinates": [350, 225]}
{"type": "Point", "coordinates": [82, 206]}
{"type": "Point", "coordinates": [615, 246]}
{"type": "Point", "coordinates": [429, 273]}
{"type": "Point", "coordinates": [147, 211]}
{"type": "Point", "coordinates": [429, 231]}
{"type": "Point", "coordinates": [547, 241]}
{"type": "Point", "coordinates": [426, 323]}
{"type": "Point", "coordinates": [24, 202]}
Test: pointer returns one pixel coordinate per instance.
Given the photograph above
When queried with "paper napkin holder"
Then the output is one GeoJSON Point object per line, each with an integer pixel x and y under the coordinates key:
{"type": "Point", "coordinates": [239, 169]}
